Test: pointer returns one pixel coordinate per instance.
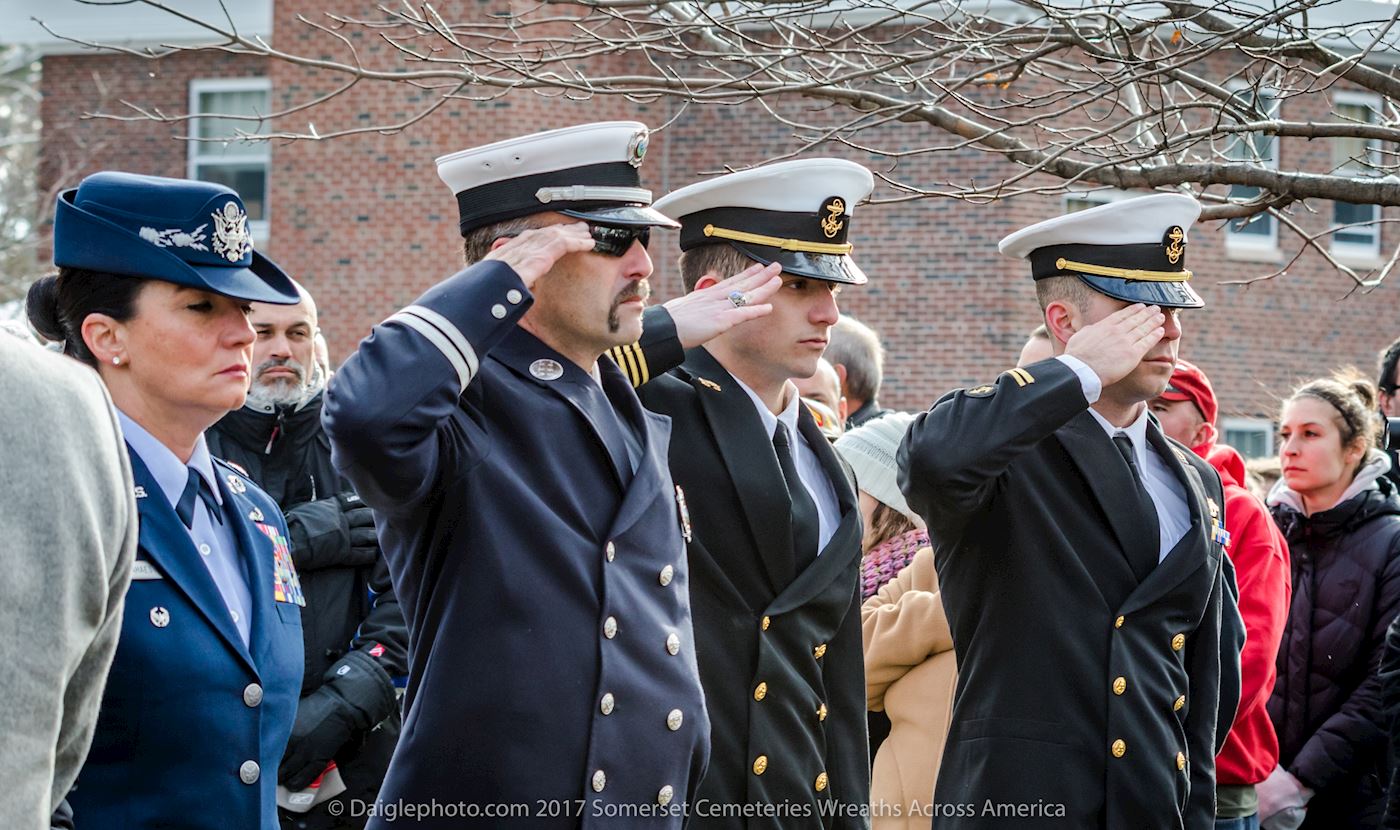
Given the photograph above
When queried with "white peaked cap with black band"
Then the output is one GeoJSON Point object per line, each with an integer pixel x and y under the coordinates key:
{"type": "Point", "coordinates": [1132, 250]}
{"type": "Point", "coordinates": [591, 172]}
{"type": "Point", "coordinates": [797, 213]}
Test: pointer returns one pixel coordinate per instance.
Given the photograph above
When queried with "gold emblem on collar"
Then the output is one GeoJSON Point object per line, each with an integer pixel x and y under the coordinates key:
{"type": "Point", "coordinates": [709, 384]}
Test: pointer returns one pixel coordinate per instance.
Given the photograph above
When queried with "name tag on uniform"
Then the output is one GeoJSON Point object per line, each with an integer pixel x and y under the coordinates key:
{"type": "Point", "coordinates": [143, 569]}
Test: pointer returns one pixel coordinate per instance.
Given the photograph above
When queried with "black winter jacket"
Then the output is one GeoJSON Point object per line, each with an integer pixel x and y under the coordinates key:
{"type": "Point", "coordinates": [1326, 705]}
{"type": "Point", "coordinates": [349, 607]}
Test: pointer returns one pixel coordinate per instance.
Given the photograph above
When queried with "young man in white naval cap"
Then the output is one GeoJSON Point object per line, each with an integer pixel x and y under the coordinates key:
{"type": "Point", "coordinates": [775, 554]}
{"type": "Point", "coordinates": [1081, 552]}
{"type": "Point", "coordinates": [534, 534]}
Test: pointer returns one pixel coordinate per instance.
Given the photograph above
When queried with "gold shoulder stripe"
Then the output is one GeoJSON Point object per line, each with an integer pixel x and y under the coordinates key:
{"type": "Point", "coordinates": [1020, 381]}
{"type": "Point", "coordinates": [1024, 375]}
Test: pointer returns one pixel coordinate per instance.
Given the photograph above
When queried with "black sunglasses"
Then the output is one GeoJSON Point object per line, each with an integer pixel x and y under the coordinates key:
{"type": "Point", "coordinates": [617, 242]}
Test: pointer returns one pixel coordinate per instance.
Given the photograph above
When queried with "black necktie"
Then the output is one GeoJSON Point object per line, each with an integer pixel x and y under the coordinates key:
{"type": "Point", "coordinates": [1143, 557]}
{"type": "Point", "coordinates": [806, 523]}
{"type": "Point", "coordinates": [196, 485]}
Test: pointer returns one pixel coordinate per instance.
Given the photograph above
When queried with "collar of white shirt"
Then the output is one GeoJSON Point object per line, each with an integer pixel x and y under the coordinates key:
{"type": "Point", "coordinates": [1137, 431]}
{"type": "Point", "coordinates": [164, 465]}
{"type": "Point", "coordinates": [770, 421]}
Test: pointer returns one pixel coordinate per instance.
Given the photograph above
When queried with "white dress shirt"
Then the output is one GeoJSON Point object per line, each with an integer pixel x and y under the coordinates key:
{"type": "Point", "coordinates": [809, 467]}
{"type": "Point", "coordinates": [216, 543]}
{"type": "Point", "coordinates": [1168, 495]}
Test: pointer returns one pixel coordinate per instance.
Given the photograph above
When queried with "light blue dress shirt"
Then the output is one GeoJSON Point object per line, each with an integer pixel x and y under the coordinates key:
{"type": "Point", "coordinates": [216, 543]}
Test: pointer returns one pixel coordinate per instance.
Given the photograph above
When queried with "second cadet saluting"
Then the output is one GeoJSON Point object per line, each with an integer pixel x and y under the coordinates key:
{"type": "Point", "coordinates": [1081, 552]}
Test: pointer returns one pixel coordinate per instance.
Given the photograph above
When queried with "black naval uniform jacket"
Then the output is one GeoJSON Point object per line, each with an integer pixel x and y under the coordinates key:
{"type": "Point", "coordinates": [780, 650]}
{"type": "Point", "coordinates": [1085, 699]}
{"type": "Point", "coordinates": [540, 565]}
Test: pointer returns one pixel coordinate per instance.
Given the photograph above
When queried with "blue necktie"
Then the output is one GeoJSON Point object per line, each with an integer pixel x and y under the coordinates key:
{"type": "Point", "coordinates": [196, 486]}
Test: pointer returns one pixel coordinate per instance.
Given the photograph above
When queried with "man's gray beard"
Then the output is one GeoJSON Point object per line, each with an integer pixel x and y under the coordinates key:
{"type": "Point", "coordinates": [277, 393]}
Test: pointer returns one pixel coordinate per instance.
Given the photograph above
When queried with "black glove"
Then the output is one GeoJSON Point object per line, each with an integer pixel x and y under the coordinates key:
{"type": "Point", "coordinates": [335, 532]}
{"type": "Point", "coordinates": [356, 694]}
{"type": "Point", "coordinates": [359, 525]}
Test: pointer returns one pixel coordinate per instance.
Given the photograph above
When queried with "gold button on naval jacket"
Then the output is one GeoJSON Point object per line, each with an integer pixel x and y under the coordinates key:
{"type": "Point", "coordinates": [606, 704]}
{"type": "Point", "coordinates": [1181, 760]}
{"type": "Point", "coordinates": [1180, 702]}
{"type": "Point", "coordinates": [673, 644]}
{"type": "Point", "coordinates": [767, 621]}
{"type": "Point", "coordinates": [600, 780]}
{"type": "Point", "coordinates": [667, 574]}
{"type": "Point", "coordinates": [1119, 748]}
{"type": "Point", "coordinates": [252, 695]}
{"type": "Point", "coordinates": [1118, 623]}
{"type": "Point", "coordinates": [610, 551]}
{"type": "Point", "coordinates": [1120, 685]}
{"type": "Point", "coordinates": [760, 764]}
{"type": "Point", "coordinates": [610, 627]}
{"type": "Point", "coordinates": [674, 719]}
{"type": "Point", "coordinates": [821, 712]}
{"type": "Point", "coordinates": [664, 796]}
{"type": "Point", "coordinates": [1179, 642]}
{"type": "Point", "coordinates": [249, 772]}
{"type": "Point", "coordinates": [819, 651]}
{"type": "Point", "coordinates": [821, 782]}
{"type": "Point", "coordinates": [760, 691]}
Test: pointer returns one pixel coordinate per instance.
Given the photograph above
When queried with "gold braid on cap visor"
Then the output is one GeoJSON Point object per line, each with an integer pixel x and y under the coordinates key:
{"type": "Point", "coordinates": [1123, 273]}
{"type": "Point", "coordinates": [829, 248]}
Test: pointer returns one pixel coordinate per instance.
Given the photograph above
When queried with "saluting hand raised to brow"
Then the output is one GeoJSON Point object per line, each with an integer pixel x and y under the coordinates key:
{"type": "Point", "coordinates": [534, 252]}
{"type": "Point", "coordinates": [706, 313]}
{"type": "Point", "coordinates": [1115, 345]}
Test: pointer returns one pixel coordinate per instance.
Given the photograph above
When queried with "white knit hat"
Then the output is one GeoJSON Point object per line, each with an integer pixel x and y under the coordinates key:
{"type": "Point", "coordinates": [870, 449]}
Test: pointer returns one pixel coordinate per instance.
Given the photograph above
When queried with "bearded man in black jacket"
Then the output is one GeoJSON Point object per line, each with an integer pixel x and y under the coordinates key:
{"type": "Point", "coordinates": [353, 629]}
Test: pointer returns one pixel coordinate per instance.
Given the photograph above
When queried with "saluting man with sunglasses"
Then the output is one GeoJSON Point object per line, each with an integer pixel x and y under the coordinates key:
{"type": "Point", "coordinates": [524, 505]}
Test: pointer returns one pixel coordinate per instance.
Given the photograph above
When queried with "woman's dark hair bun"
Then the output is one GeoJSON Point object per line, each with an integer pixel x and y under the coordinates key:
{"type": "Point", "coordinates": [41, 305]}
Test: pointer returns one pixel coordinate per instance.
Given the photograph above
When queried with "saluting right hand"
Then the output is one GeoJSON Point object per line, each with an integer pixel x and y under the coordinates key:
{"type": "Point", "coordinates": [534, 252]}
{"type": "Point", "coordinates": [1115, 345]}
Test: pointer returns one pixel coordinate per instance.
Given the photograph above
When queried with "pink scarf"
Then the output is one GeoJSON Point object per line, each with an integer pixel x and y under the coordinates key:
{"type": "Point", "coordinates": [884, 561]}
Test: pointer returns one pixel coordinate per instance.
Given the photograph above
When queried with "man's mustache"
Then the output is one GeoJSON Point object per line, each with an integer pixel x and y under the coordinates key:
{"type": "Point", "coordinates": [638, 289]}
{"type": "Point", "coordinates": [281, 363]}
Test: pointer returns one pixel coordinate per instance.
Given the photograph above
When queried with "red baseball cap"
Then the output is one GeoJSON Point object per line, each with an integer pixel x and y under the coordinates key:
{"type": "Point", "coordinates": [1189, 383]}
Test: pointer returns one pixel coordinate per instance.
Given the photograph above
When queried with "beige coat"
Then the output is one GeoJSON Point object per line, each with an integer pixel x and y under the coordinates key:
{"type": "Point", "coordinates": [910, 673]}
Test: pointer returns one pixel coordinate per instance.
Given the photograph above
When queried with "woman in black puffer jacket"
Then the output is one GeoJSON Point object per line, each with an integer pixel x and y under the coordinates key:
{"type": "Point", "coordinates": [1341, 518]}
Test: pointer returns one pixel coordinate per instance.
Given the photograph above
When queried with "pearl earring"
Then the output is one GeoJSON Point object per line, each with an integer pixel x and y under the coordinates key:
{"type": "Point", "coordinates": [116, 361]}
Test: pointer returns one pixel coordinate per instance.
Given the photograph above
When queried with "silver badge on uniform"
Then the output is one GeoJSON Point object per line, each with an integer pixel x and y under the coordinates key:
{"type": "Point", "coordinates": [256, 515]}
{"type": "Point", "coordinates": [235, 483]}
{"type": "Point", "coordinates": [546, 369]}
{"type": "Point", "coordinates": [160, 617]}
{"type": "Point", "coordinates": [684, 511]}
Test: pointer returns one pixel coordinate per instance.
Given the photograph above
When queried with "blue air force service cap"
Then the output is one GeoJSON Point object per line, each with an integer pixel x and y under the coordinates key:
{"type": "Point", "coordinates": [797, 213]}
{"type": "Point", "coordinates": [181, 231]}
{"type": "Point", "coordinates": [1132, 250]}
{"type": "Point", "coordinates": [591, 172]}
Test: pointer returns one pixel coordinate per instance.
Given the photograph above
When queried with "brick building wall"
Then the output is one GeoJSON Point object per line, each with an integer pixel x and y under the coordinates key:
{"type": "Point", "coordinates": [366, 224]}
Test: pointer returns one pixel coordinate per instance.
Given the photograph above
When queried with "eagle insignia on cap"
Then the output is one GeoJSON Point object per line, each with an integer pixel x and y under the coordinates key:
{"type": "Point", "coordinates": [637, 148]}
{"type": "Point", "coordinates": [1175, 242]}
{"type": "Point", "coordinates": [831, 212]}
{"type": "Point", "coordinates": [231, 238]}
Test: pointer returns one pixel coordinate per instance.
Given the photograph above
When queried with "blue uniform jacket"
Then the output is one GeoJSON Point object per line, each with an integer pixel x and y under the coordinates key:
{"type": "Point", "coordinates": [552, 664]}
{"type": "Point", "coordinates": [193, 725]}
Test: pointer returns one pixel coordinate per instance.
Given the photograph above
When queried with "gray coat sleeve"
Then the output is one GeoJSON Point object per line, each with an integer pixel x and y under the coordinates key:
{"type": "Point", "coordinates": [68, 518]}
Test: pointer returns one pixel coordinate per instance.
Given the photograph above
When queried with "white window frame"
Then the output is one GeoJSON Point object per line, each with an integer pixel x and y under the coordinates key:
{"type": "Point", "coordinates": [1358, 253]}
{"type": "Point", "coordinates": [1262, 426]}
{"type": "Point", "coordinates": [1252, 246]}
{"type": "Point", "coordinates": [248, 151]}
